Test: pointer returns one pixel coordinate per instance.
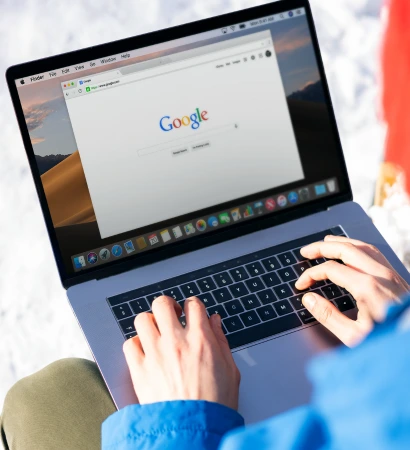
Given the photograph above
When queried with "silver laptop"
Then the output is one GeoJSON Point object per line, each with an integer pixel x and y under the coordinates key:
{"type": "Point", "coordinates": [195, 160]}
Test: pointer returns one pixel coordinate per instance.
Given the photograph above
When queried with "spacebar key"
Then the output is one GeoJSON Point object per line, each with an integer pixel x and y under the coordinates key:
{"type": "Point", "coordinates": [263, 331]}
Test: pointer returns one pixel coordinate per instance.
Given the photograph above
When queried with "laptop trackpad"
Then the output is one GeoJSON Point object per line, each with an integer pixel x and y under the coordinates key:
{"type": "Point", "coordinates": [273, 373]}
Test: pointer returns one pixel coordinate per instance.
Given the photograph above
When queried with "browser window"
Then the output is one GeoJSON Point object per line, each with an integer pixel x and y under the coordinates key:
{"type": "Point", "coordinates": [152, 146]}
{"type": "Point", "coordinates": [179, 136]}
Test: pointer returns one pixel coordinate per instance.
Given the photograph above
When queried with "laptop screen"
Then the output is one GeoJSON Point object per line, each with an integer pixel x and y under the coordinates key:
{"type": "Point", "coordinates": [150, 147]}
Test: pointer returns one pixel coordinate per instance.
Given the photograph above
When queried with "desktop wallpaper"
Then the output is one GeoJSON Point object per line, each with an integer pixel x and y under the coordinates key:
{"type": "Point", "coordinates": [58, 159]}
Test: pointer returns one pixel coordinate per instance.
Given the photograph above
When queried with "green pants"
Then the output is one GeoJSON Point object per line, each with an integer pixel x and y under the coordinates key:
{"type": "Point", "coordinates": [61, 407]}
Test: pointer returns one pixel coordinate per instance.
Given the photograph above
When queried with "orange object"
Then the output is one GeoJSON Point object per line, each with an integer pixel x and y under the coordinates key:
{"type": "Point", "coordinates": [396, 88]}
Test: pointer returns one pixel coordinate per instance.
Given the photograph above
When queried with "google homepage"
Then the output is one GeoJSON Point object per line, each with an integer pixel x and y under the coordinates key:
{"type": "Point", "coordinates": [197, 132]}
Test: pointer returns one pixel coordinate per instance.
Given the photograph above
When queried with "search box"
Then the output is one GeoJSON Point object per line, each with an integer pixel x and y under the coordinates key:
{"type": "Point", "coordinates": [196, 140]}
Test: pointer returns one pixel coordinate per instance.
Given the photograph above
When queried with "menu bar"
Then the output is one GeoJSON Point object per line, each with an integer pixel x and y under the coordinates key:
{"type": "Point", "coordinates": [102, 62]}
{"type": "Point", "coordinates": [195, 227]}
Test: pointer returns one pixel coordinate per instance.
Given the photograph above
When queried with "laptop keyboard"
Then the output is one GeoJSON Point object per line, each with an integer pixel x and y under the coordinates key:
{"type": "Point", "coordinates": [255, 294]}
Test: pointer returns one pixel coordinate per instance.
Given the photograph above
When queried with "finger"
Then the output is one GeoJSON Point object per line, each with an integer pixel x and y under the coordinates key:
{"type": "Point", "coordinates": [215, 322]}
{"type": "Point", "coordinates": [348, 253]}
{"type": "Point", "coordinates": [147, 330]}
{"type": "Point", "coordinates": [166, 312]}
{"type": "Point", "coordinates": [369, 249]}
{"type": "Point", "coordinates": [330, 317]}
{"type": "Point", "coordinates": [134, 354]}
{"type": "Point", "coordinates": [196, 316]}
{"type": "Point", "coordinates": [343, 276]}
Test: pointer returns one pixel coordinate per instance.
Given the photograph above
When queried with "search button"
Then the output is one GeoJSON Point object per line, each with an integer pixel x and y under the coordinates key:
{"type": "Point", "coordinates": [201, 145]}
{"type": "Point", "coordinates": [179, 152]}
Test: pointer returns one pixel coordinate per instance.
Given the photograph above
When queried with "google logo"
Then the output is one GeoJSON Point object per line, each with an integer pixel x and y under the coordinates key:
{"type": "Point", "coordinates": [194, 120]}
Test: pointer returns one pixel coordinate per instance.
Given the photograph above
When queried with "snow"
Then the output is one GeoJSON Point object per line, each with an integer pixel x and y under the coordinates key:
{"type": "Point", "coordinates": [36, 322]}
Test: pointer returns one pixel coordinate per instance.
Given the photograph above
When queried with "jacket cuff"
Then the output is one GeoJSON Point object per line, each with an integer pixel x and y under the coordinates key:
{"type": "Point", "coordinates": [169, 423]}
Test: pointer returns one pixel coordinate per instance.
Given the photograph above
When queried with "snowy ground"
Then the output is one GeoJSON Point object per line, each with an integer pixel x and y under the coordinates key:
{"type": "Point", "coordinates": [36, 323]}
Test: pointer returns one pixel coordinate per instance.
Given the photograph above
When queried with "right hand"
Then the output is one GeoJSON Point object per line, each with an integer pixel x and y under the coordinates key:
{"type": "Point", "coordinates": [366, 275]}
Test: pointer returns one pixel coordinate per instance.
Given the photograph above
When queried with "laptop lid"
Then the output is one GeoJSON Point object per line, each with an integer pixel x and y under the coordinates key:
{"type": "Point", "coordinates": [160, 144]}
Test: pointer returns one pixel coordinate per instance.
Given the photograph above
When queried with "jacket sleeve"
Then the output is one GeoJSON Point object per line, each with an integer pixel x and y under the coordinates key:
{"type": "Point", "coordinates": [175, 425]}
{"type": "Point", "coordinates": [301, 428]}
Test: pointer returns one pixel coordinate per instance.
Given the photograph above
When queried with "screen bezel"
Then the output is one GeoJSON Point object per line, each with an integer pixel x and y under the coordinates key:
{"type": "Point", "coordinates": [157, 37]}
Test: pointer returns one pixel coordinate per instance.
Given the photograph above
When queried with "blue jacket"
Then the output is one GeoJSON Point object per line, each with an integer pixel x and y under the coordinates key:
{"type": "Point", "coordinates": [361, 400]}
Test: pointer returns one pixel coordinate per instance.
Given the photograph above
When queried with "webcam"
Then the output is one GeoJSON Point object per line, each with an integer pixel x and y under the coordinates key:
{"type": "Point", "coordinates": [22, 82]}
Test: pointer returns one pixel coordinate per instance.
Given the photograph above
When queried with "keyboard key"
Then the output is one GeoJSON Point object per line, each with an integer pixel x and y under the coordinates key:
{"type": "Point", "coordinates": [250, 302]}
{"type": "Point", "coordinates": [223, 279]}
{"type": "Point", "coordinates": [271, 279]}
{"type": "Point", "coordinates": [152, 297]}
{"type": "Point", "coordinates": [266, 313]}
{"type": "Point", "coordinates": [301, 267]}
{"type": "Point", "coordinates": [239, 274]}
{"type": "Point", "coordinates": [266, 296]}
{"type": "Point", "coordinates": [306, 317]}
{"type": "Point", "coordinates": [263, 330]}
{"type": "Point", "coordinates": [255, 269]}
{"type": "Point", "coordinates": [222, 295]}
{"type": "Point", "coordinates": [127, 325]}
{"type": "Point", "coordinates": [140, 305]}
{"type": "Point", "coordinates": [255, 284]}
{"type": "Point", "coordinates": [206, 284]}
{"type": "Point", "coordinates": [250, 318]}
{"type": "Point", "coordinates": [233, 324]}
{"type": "Point", "coordinates": [318, 284]}
{"type": "Point", "coordinates": [122, 311]}
{"type": "Point", "coordinates": [297, 302]}
{"type": "Point", "coordinates": [174, 293]}
{"type": "Point", "coordinates": [283, 291]}
{"type": "Point", "coordinates": [298, 291]}
{"type": "Point", "coordinates": [287, 274]}
{"type": "Point", "coordinates": [131, 335]}
{"type": "Point", "coordinates": [298, 255]}
{"type": "Point", "coordinates": [238, 290]}
{"type": "Point", "coordinates": [287, 259]}
{"type": "Point", "coordinates": [181, 303]}
{"type": "Point", "coordinates": [271, 264]}
{"type": "Point", "coordinates": [344, 303]}
{"type": "Point", "coordinates": [190, 290]}
{"type": "Point", "coordinates": [218, 309]}
{"type": "Point", "coordinates": [331, 291]}
{"type": "Point", "coordinates": [182, 321]}
{"type": "Point", "coordinates": [234, 307]}
{"type": "Point", "coordinates": [207, 299]}
{"type": "Point", "coordinates": [283, 307]}
{"type": "Point", "coordinates": [316, 262]}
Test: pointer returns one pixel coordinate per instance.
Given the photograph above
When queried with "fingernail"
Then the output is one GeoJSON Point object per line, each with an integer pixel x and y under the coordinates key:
{"type": "Point", "coordinates": [218, 319]}
{"type": "Point", "coordinates": [309, 301]}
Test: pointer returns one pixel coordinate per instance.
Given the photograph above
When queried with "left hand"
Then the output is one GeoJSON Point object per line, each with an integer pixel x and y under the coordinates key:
{"type": "Point", "coordinates": [168, 362]}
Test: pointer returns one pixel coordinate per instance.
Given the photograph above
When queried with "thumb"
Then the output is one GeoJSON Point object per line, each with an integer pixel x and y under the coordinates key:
{"type": "Point", "coordinates": [331, 318]}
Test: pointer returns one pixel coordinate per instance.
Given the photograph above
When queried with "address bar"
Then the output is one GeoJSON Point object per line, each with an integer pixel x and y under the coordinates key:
{"type": "Point", "coordinates": [181, 65]}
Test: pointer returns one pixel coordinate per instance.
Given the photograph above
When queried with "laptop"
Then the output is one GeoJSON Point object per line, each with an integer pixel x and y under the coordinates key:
{"type": "Point", "coordinates": [195, 161]}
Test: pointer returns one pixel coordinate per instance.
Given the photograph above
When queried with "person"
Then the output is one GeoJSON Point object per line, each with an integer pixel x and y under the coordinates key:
{"type": "Point", "coordinates": [187, 382]}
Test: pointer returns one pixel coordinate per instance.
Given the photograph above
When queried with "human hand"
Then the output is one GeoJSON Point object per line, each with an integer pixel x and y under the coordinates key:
{"type": "Point", "coordinates": [168, 362]}
{"type": "Point", "coordinates": [366, 275]}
